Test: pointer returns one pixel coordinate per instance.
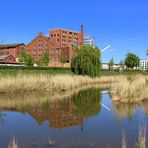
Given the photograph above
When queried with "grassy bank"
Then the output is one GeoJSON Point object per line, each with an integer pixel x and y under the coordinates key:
{"type": "Point", "coordinates": [42, 82]}
{"type": "Point", "coordinates": [13, 70]}
{"type": "Point", "coordinates": [130, 89]}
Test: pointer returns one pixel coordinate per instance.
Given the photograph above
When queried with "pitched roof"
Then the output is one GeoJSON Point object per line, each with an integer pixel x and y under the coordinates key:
{"type": "Point", "coordinates": [5, 56]}
{"type": "Point", "coordinates": [4, 46]}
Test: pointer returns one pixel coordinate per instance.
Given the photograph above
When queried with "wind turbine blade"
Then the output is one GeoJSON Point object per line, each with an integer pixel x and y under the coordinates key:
{"type": "Point", "coordinates": [105, 48]}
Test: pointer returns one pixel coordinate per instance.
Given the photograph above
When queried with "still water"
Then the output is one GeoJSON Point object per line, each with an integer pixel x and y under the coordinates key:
{"type": "Point", "coordinates": [84, 119]}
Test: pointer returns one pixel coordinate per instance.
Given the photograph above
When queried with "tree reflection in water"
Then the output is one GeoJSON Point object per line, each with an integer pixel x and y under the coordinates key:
{"type": "Point", "coordinates": [87, 103]}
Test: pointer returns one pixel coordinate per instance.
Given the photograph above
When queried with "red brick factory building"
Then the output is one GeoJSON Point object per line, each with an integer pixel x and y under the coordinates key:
{"type": "Point", "coordinates": [59, 44]}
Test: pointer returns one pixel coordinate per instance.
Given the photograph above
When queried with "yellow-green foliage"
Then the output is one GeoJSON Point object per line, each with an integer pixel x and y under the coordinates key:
{"type": "Point", "coordinates": [130, 89]}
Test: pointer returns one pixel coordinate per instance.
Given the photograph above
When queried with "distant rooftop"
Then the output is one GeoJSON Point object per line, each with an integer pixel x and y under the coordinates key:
{"type": "Point", "coordinates": [4, 46]}
{"type": "Point", "coordinates": [65, 30]}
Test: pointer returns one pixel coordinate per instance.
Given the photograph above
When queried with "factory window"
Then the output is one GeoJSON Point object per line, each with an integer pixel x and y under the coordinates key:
{"type": "Point", "coordinates": [40, 42]}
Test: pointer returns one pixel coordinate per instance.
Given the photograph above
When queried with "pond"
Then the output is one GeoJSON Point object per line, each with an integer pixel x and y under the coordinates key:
{"type": "Point", "coordinates": [84, 119]}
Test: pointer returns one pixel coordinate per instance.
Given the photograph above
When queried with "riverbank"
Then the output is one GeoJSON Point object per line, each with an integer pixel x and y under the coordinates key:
{"type": "Point", "coordinates": [46, 82]}
{"type": "Point", "coordinates": [130, 89]}
{"type": "Point", "coordinates": [127, 86]}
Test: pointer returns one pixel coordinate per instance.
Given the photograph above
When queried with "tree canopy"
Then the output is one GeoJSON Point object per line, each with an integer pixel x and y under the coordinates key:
{"type": "Point", "coordinates": [132, 60]}
{"type": "Point", "coordinates": [86, 61]}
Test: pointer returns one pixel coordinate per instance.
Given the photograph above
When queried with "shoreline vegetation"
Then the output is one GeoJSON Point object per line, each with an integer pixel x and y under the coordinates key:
{"type": "Point", "coordinates": [125, 86]}
{"type": "Point", "coordinates": [46, 82]}
{"type": "Point", "coordinates": [130, 89]}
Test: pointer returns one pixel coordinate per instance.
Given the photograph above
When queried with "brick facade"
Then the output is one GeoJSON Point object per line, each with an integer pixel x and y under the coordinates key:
{"type": "Point", "coordinates": [59, 44]}
{"type": "Point", "coordinates": [64, 38]}
{"type": "Point", "coordinates": [39, 45]}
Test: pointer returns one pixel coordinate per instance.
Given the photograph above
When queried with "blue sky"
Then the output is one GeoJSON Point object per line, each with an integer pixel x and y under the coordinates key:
{"type": "Point", "coordinates": [123, 24]}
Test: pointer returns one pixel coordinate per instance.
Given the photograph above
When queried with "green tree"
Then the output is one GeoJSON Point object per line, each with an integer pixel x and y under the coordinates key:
{"type": "Point", "coordinates": [27, 59]}
{"type": "Point", "coordinates": [111, 64]}
{"type": "Point", "coordinates": [86, 61]}
{"type": "Point", "coordinates": [132, 60]}
{"type": "Point", "coordinates": [44, 60]}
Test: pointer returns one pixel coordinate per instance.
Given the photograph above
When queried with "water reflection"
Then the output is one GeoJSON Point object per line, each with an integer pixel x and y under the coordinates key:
{"type": "Point", "coordinates": [2, 117]}
{"type": "Point", "coordinates": [128, 110]}
{"type": "Point", "coordinates": [68, 111]}
{"type": "Point", "coordinates": [87, 103]}
{"type": "Point", "coordinates": [60, 113]}
{"type": "Point", "coordinates": [123, 110]}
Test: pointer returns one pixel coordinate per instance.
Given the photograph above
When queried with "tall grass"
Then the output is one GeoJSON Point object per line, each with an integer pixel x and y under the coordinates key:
{"type": "Point", "coordinates": [123, 142]}
{"type": "Point", "coordinates": [130, 89]}
{"type": "Point", "coordinates": [141, 136]}
{"type": "Point", "coordinates": [23, 82]}
{"type": "Point", "coordinates": [13, 143]}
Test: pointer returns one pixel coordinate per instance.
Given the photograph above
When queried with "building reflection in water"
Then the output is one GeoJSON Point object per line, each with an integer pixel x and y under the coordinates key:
{"type": "Point", "coordinates": [68, 112]}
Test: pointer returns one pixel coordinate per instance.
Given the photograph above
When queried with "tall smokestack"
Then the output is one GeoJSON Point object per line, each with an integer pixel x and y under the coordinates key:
{"type": "Point", "coordinates": [82, 34]}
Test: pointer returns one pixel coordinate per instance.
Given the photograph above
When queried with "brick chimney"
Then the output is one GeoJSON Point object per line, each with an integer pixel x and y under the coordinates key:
{"type": "Point", "coordinates": [82, 34]}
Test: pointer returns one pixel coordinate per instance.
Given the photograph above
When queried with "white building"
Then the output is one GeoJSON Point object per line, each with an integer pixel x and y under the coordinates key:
{"type": "Point", "coordinates": [105, 66]}
{"type": "Point", "coordinates": [88, 41]}
{"type": "Point", "coordinates": [143, 65]}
